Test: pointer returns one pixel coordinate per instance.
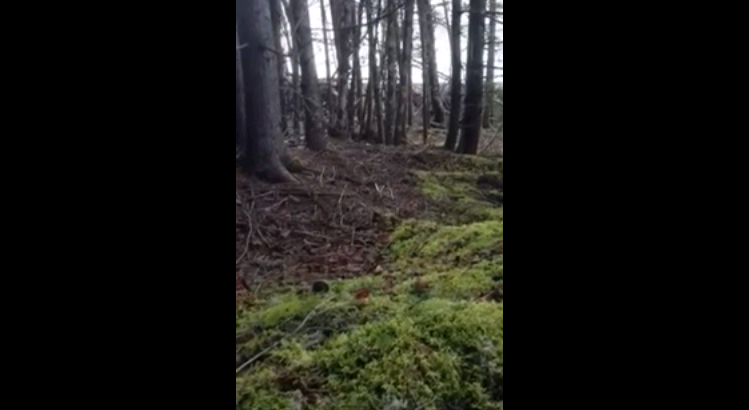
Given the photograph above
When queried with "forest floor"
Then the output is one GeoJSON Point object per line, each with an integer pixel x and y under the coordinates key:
{"type": "Point", "coordinates": [374, 283]}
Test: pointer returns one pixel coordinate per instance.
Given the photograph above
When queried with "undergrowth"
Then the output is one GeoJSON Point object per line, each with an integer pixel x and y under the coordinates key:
{"type": "Point", "coordinates": [426, 336]}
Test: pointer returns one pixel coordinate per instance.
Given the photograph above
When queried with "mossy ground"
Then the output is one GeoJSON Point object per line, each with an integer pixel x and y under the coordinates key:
{"type": "Point", "coordinates": [425, 337]}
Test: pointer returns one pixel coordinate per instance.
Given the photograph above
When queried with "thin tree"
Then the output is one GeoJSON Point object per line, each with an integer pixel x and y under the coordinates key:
{"type": "Point", "coordinates": [455, 83]}
{"type": "Point", "coordinates": [474, 79]}
{"type": "Point", "coordinates": [313, 131]}
{"type": "Point", "coordinates": [354, 89]}
{"type": "Point", "coordinates": [275, 15]}
{"type": "Point", "coordinates": [374, 114]}
{"type": "Point", "coordinates": [392, 59]}
{"type": "Point", "coordinates": [261, 114]}
{"type": "Point", "coordinates": [405, 73]}
{"type": "Point", "coordinates": [426, 25]}
{"type": "Point", "coordinates": [328, 94]}
{"type": "Point", "coordinates": [343, 12]}
{"type": "Point", "coordinates": [488, 107]}
{"type": "Point", "coordinates": [425, 88]}
{"type": "Point", "coordinates": [296, 101]}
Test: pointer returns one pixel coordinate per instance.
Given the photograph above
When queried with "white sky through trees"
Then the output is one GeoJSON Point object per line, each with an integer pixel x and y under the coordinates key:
{"type": "Point", "coordinates": [441, 36]}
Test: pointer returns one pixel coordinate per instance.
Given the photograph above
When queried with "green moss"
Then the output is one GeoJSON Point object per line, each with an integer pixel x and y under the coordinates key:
{"type": "Point", "coordinates": [419, 239]}
{"type": "Point", "coordinates": [440, 348]}
{"type": "Point", "coordinates": [437, 354]}
{"type": "Point", "coordinates": [259, 391]}
{"type": "Point", "coordinates": [458, 198]}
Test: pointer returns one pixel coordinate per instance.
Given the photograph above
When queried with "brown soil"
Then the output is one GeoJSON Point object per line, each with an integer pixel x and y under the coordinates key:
{"type": "Point", "coordinates": [335, 222]}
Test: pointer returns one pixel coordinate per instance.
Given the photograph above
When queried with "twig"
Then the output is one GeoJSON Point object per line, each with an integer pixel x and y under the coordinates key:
{"type": "Point", "coordinates": [249, 234]}
{"type": "Point", "coordinates": [269, 348]}
{"type": "Point", "coordinates": [491, 141]}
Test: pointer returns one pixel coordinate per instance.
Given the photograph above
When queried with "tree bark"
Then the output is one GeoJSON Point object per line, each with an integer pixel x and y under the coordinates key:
{"type": "Point", "coordinates": [401, 136]}
{"type": "Point", "coordinates": [313, 132]}
{"type": "Point", "coordinates": [392, 59]}
{"type": "Point", "coordinates": [328, 85]}
{"type": "Point", "coordinates": [259, 84]}
{"type": "Point", "coordinates": [242, 136]}
{"type": "Point", "coordinates": [294, 93]}
{"type": "Point", "coordinates": [489, 98]}
{"type": "Point", "coordinates": [455, 83]}
{"type": "Point", "coordinates": [343, 12]}
{"type": "Point", "coordinates": [354, 90]}
{"type": "Point", "coordinates": [474, 81]}
{"type": "Point", "coordinates": [275, 15]}
{"type": "Point", "coordinates": [374, 116]}
{"type": "Point", "coordinates": [426, 23]}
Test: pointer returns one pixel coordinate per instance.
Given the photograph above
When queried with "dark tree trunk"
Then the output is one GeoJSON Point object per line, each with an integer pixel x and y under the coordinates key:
{"type": "Point", "coordinates": [295, 93]}
{"type": "Point", "coordinates": [455, 84]}
{"type": "Point", "coordinates": [405, 73]}
{"type": "Point", "coordinates": [313, 131]}
{"type": "Point", "coordinates": [343, 12]}
{"type": "Point", "coordinates": [374, 116]}
{"type": "Point", "coordinates": [392, 59]}
{"type": "Point", "coordinates": [474, 81]}
{"type": "Point", "coordinates": [425, 77]}
{"type": "Point", "coordinates": [358, 96]}
{"type": "Point", "coordinates": [259, 84]}
{"type": "Point", "coordinates": [275, 15]}
{"type": "Point", "coordinates": [242, 137]}
{"type": "Point", "coordinates": [489, 98]}
{"type": "Point", "coordinates": [355, 76]}
{"type": "Point", "coordinates": [426, 23]}
{"type": "Point", "coordinates": [328, 85]}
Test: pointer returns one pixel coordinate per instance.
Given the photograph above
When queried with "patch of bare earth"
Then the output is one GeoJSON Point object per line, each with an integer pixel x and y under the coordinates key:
{"type": "Point", "coordinates": [335, 222]}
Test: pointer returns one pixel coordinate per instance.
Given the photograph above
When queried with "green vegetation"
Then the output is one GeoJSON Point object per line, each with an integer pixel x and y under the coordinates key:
{"type": "Point", "coordinates": [425, 337]}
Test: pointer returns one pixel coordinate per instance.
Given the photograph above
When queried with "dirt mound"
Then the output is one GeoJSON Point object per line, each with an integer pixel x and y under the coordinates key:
{"type": "Point", "coordinates": [334, 223]}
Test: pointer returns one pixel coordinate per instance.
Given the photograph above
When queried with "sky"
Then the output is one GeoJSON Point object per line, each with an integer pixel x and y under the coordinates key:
{"type": "Point", "coordinates": [442, 42]}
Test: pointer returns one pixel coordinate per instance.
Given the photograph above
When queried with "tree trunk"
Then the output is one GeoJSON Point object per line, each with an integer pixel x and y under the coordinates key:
{"type": "Point", "coordinates": [242, 137]}
{"type": "Point", "coordinates": [474, 81]}
{"type": "Point", "coordinates": [261, 95]}
{"type": "Point", "coordinates": [455, 83]}
{"type": "Point", "coordinates": [328, 86]}
{"type": "Point", "coordinates": [357, 68]}
{"type": "Point", "coordinates": [426, 23]}
{"type": "Point", "coordinates": [355, 76]}
{"type": "Point", "coordinates": [374, 116]}
{"type": "Point", "coordinates": [425, 78]}
{"type": "Point", "coordinates": [313, 131]}
{"type": "Point", "coordinates": [392, 59]}
{"type": "Point", "coordinates": [343, 12]}
{"type": "Point", "coordinates": [275, 15]}
{"type": "Point", "coordinates": [401, 136]}
{"type": "Point", "coordinates": [296, 101]}
{"type": "Point", "coordinates": [489, 98]}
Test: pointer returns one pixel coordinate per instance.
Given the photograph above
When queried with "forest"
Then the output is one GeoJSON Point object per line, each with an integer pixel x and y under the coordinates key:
{"type": "Point", "coordinates": [369, 204]}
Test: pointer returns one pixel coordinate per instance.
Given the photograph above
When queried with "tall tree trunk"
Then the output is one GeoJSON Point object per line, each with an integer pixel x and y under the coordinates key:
{"type": "Point", "coordinates": [455, 83]}
{"type": "Point", "coordinates": [374, 117]}
{"type": "Point", "coordinates": [489, 98]}
{"type": "Point", "coordinates": [425, 78]}
{"type": "Point", "coordinates": [313, 131]}
{"type": "Point", "coordinates": [295, 94]}
{"type": "Point", "coordinates": [426, 23]}
{"type": "Point", "coordinates": [392, 59]}
{"type": "Point", "coordinates": [355, 75]}
{"type": "Point", "coordinates": [405, 73]}
{"type": "Point", "coordinates": [474, 81]}
{"type": "Point", "coordinates": [275, 15]}
{"type": "Point", "coordinates": [261, 96]}
{"type": "Point", "coordinates": [328, 85]}
{"type": "Point", "coordinates": [343, 12]}
{"type": "Point", "coordinates": [242, 137]}
{"type": "Point", "coordinates": [357, 67]}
